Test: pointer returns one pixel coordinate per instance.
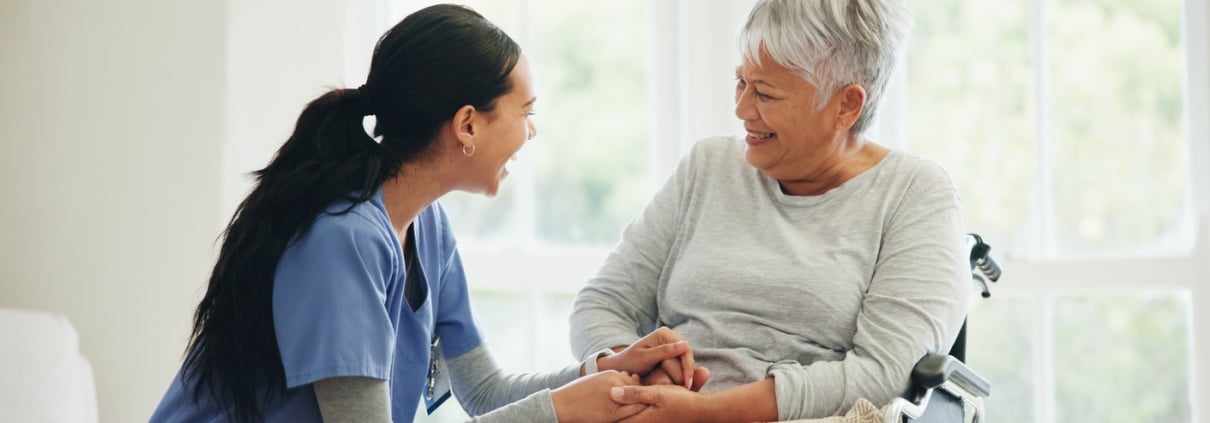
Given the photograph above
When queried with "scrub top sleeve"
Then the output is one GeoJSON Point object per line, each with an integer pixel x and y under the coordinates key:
{"type": "Point", "coordinates": [455, 321]}
{"type": "Point", "coordinates": [329, 302]}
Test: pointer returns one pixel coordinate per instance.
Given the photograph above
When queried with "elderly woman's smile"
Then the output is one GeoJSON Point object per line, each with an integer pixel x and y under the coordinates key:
{"type": "Point", "coordinates": [756, 138]}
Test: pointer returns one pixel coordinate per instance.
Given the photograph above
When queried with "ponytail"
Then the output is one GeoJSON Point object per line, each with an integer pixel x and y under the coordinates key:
{"type": "Point", "coordinates": [233, 348]}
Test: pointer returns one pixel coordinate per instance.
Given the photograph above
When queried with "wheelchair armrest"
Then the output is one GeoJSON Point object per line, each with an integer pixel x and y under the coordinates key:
{"type": "Point", "coordinates": [935, 369]}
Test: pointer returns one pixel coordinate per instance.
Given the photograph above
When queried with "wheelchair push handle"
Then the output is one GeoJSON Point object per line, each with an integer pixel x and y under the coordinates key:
{"type": "Point", "coordinates": [983, 267]}
{"type": "Point", "coordinates": [989, 267]}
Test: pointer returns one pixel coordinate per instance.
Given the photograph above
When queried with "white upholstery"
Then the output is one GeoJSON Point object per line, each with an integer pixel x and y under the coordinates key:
{"type": "Point", "coordinates": [43, 376]}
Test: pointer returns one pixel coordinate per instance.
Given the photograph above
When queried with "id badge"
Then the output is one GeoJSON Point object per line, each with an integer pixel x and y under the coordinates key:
{"type": "Point", "coordinates": [437, 388]}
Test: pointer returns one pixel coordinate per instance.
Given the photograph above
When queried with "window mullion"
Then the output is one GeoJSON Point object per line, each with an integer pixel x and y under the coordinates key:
{"type": "Point", "coordinates": [666, 88]}
{"type": "Point", "coordinates": [1045, 238]}
{"type": "Point", "coordinates": [1044, 351]}
{"type": "Point", "coordinates": [1197, 106]}
{"type": "Point", "coordinates": [1197, 100]}
{"type": "Point", "coordinates": [526, 206]}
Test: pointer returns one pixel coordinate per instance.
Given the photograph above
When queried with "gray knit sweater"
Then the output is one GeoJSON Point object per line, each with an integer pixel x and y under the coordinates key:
{"type": "Point", "coordinates": [835, 296]}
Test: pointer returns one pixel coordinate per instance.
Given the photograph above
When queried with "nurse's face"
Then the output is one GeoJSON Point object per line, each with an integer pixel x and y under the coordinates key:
{"type": "Point", "coordinates": [503, 131]}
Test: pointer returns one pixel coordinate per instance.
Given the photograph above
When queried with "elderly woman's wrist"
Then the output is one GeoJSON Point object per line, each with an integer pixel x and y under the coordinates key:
{"type": "Point", "coordinates": [711, 408]}
{"type": "Point", "coordinates": [598, 361]}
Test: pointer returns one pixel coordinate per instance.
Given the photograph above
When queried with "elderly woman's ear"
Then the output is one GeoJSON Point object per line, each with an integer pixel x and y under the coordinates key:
{"type": "Point", "coordinates": [852, 100]}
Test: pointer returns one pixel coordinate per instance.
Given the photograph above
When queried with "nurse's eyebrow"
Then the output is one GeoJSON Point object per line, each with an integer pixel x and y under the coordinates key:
{"type": "Point", "coordinates": [530, 102]}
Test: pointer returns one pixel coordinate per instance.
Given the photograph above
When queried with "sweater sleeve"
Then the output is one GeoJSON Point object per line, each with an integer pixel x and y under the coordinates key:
{"type": "Point", "coordinates": [619, 304]}
{"type": "Point", "coordinates": [481, 387]}
{"type": "Point", "coordinates": [915, 304]}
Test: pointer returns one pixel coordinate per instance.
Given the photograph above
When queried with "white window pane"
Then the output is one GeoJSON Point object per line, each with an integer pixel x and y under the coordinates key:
{"type": "Point", "coordinates": [1117, 134]}
{"type": "Point", "coordinates": [506, 321]}
{"type": "Point", "coordinates": [585, 175]}
{"type": "Point", "coordinates": [1122, 358]}
{"type": "Point", "coordinates": [1000, 345]}
{"type": "Point", "coordinates": [554, 328]}
{"type": "Point", "coordinates": [484, 223]}
{"type": "Point", "coordinates": [970, 108]}
{"type": "Point", "coordinates": [590, 61]}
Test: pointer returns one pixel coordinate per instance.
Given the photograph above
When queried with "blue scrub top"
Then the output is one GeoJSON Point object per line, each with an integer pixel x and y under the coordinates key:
{"type": "Point", "coordinates": [339, 310]}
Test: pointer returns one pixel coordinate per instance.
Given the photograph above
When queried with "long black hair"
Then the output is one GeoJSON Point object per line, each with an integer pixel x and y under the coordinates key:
{"type": "Point", "coordinates": [432, 63]}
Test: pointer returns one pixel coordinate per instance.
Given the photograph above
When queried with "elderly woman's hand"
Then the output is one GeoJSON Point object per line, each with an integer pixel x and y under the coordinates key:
{"type": "Point", "coordinates": [660, 376]}
{"type": "Point", "coordinates": [661, 351]}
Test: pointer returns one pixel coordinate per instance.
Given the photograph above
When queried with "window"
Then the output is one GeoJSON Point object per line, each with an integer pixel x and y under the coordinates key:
{"type": "Point", "coordinates": [1063, 123]}
{"type": "Point", "coordinates": [1058, 119]}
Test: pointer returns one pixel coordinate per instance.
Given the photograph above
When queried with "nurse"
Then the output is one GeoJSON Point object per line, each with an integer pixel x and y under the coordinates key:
{"type": "Point", "coordinates": [339, 294]}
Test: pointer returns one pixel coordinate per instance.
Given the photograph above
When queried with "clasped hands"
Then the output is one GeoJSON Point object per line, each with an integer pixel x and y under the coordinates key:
{"type": "Point", "coordinates": [652, 380]}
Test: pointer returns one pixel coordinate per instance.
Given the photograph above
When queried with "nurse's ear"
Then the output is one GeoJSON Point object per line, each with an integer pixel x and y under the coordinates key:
{"type": "Point", "coordinates": [463, 126]}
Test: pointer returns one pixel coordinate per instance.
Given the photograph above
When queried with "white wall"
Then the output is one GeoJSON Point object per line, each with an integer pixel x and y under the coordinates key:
{"type": "Point", "coordinates": [111, 122]}
{"type": "Point", "coordinates": [125, 128]}
{"type": "Point", "coordinates": [282, 54]}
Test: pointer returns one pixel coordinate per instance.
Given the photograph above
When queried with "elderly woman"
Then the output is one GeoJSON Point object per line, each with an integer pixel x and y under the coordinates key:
{"type": "Point", "coordinates": [807, 265]}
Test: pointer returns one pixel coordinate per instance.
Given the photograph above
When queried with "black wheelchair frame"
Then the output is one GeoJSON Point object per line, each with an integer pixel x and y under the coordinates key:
{"type": "Point", "coordinates": [942, 385]}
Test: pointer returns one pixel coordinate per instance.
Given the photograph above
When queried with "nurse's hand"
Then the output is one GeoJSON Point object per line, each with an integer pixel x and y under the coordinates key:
{"type": "Point", "coordinates": [587, 400]}
{"type": "Point", "coordinates": [662, 351]}
{"type": "Point", "coordinates": [665, 403]}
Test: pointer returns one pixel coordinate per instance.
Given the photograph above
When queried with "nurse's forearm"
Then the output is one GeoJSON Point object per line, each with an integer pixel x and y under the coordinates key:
{"type": "Point", "coordinates": [481, 386]}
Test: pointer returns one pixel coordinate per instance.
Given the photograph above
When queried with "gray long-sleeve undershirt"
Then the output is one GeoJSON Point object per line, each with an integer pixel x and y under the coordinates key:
{"type": "Point", "coordinates": [482, 388]}
{"type": "Point", "coordinates": [835, 296]}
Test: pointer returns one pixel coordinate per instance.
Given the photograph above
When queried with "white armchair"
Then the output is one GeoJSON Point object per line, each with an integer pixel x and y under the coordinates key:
{"type": "Point", "coordinates": [43, 376]}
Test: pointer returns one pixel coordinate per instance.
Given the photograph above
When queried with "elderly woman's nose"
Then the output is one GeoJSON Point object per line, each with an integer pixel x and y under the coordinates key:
{"type": "Point", "coordinates": [745, 106]}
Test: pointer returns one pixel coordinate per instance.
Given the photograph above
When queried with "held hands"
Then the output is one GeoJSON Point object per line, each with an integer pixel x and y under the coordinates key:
{"type": "Point", "coordinates": [660, 376]}
{"type": "Point", "coordinates": [661, 357]}
{"type": "Point", "coordinates": [663, 403]}
{"type": "Point", "coordinates": [584, 400]}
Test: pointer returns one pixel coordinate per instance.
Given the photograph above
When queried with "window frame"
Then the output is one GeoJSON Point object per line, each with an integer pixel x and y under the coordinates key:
{"type": "Point", "coordinates": [688, 104]}
{"type": "Point", "coordinates": [1044, 278]}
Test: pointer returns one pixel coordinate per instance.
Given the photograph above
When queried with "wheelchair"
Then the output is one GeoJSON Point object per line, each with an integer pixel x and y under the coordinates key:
{"type": "Point", "coordinates": [944, 389]}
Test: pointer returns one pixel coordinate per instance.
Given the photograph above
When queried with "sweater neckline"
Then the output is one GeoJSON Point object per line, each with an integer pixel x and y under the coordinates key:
{"type": "Point", "coordinates": [856, 184]}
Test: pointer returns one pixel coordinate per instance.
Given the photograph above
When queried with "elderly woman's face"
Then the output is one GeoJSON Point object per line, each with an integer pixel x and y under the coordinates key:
{"type": "Point", "coordinates": [789, 137]}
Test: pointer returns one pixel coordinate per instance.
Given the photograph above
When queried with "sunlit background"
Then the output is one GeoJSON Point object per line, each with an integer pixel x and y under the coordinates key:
{"type": "Point", "coordinates": [1076, 130]}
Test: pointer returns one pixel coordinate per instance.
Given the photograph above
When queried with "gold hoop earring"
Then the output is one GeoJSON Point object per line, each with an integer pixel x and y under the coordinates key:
{"type": "Point", "coordinates": [466, 152]}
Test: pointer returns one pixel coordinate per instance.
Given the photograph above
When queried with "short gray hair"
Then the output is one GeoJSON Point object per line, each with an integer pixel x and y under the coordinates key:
{"type": "Point", "coordinates": [831, 43]}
